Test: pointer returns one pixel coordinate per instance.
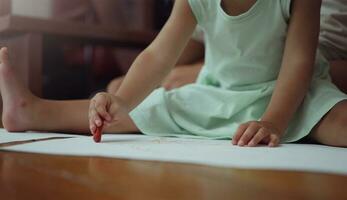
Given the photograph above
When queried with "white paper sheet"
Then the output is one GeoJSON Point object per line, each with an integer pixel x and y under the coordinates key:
{"type": "Point", "coordinates": [6, 137]}
{"type": "Point", "coordinates": [315, 158]}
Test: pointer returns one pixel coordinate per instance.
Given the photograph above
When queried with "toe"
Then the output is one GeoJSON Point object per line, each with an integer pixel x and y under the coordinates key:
{"type": "Point", "coordinates": [4, 55]}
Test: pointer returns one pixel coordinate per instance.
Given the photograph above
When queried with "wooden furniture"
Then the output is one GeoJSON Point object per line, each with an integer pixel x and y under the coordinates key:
{"type": "Point", "coordinates": [5, 7]}
{"type": "Point", "coordinates": [26, 38]}
{"type": "Point", "coordinates": [35, 176]}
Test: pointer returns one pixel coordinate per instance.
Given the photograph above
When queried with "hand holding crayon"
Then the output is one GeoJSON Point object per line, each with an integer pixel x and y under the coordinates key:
{"type": "Point", "coordinates": [105, 110]}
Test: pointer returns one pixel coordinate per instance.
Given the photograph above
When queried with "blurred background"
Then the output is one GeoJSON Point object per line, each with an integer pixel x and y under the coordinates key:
{"type": "Point", "coordinates": [74, 70]}
{"type": "Point", "coordinates": [71, 49]}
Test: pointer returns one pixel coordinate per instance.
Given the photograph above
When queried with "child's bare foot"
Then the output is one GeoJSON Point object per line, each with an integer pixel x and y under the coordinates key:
{"type": "Point", "coordinates": [18, 101]}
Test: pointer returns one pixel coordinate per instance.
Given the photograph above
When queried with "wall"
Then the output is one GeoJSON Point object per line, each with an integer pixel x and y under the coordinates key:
{"type": "Point", "coordinates": [34, 8]}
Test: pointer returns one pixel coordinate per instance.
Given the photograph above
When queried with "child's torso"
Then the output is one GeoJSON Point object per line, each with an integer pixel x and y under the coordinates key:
{"type": "Point", "coordinates": [242, 49]}
{"type": "Point", "coordinates": [237, 7]}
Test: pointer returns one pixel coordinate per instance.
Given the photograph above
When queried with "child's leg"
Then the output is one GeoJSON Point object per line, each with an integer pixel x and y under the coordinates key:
{"type": "Point", "coordinates": [23, 111]}
{"type": "Point", "coordinates": [332, 129]}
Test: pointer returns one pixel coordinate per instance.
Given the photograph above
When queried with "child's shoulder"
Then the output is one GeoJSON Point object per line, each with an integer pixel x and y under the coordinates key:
{"type": "Point", "coordinates": [202, 9]}
{"type": "Point", "coordinates": [286, 7]}
{"type": "Point", "coordinates": [206, 4]}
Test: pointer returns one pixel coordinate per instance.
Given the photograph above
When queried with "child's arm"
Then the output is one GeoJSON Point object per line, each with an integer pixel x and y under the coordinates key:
{"type": "Point", "coordinates": [149, 68]}
{"type": "Point", "coordinates": [154, 63]}
{"type": "Point", "coordinates": [186, 70]}
{"type": "Point", "coordinates": [294, 78]}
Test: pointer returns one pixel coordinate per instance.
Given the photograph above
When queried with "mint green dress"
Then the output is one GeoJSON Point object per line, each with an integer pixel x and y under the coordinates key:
{"type": "Point", "coordinates": [242, 62]}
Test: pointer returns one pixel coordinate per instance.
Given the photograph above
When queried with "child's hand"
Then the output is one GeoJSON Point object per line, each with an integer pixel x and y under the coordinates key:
{"type": "Point", "coordinates": [255, 132]}
{"type": "Point", "coordinates": [105, 109]}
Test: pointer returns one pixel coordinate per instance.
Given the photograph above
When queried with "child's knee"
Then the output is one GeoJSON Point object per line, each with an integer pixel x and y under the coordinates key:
{"type": "Point", "coordinates": [338, 116]}
{"type": "Point", "coordinates": [333, 128]}
{"type": "Point", "coordinates": [338, 133]}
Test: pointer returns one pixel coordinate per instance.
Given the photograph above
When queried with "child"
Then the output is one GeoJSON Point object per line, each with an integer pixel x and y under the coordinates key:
{"type": "Point", "coordinates": [260, 82]}
{"type": "Point", "coordinates": [332, 44]}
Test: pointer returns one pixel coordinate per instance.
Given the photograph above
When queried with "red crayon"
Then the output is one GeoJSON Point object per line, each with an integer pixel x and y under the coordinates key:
{"type": "Point", "coordinates": [97, 135]}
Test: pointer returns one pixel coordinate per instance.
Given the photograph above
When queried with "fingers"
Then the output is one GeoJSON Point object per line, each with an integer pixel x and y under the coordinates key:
{"type": "Point", "coordinates": [4, 55]}
{"type": "Point", "coordinates": [274, 140]}
{"type": "Point", "coordinates": [258, 137]}
{"type": "Point", "coordinates": [242, 128]}
{"type": "Point", "coordinates": [4, 50]}
{"type": "Point", "coordinates": [93, 117]}
{"type": "Point", "coordinates": [106, 109]}
{"type": "Point", "coordinates": [100, 107]}
{"type": "Point", "coordinates": [98, 112]}
{"type": "Point", "coordinates": [248, 134]}
{"type": "Point", "coordinates": [253, 133]}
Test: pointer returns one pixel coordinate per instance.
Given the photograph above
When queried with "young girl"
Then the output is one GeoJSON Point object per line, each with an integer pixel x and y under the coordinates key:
{"type": "Point", "coordinates": [332, 44]}
{"type": "Point", "coordinates": [262, 81]}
